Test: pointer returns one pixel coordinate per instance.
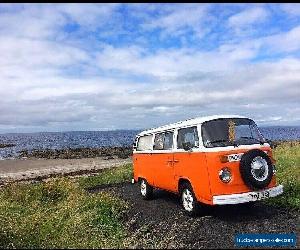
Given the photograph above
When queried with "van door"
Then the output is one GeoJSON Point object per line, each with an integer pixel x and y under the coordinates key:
{"type": "Point", "coordinates": [162, 158]}
{"type": "Point", "coordinates": [191, 164]}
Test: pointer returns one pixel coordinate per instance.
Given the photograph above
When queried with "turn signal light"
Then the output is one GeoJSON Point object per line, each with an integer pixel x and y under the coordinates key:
{"type": "Point", "coordinates": [224, 158]}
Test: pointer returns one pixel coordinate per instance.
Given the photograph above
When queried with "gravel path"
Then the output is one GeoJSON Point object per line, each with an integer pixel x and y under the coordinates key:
{"type": "Point", "coordinates": [161, 222]}
{"type": "Point", "coordinates": [30, 169]}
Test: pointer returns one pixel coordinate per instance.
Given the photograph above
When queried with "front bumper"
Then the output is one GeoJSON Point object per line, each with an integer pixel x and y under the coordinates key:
{"type": "Point", "coordinates": [247, 197]}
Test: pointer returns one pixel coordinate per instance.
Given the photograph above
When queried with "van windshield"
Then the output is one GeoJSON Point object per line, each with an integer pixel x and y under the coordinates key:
{"type": "Point", "coordinates": [230, 132]}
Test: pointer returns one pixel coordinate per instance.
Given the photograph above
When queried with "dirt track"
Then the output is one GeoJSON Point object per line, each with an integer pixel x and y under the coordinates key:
{"type": "Point", "coordinates": [16, 170]}
{"type": "Point", "coordinates": [161, 223]}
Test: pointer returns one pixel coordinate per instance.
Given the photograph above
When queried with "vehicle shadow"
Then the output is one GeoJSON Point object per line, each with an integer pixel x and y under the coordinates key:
{"type": "Point", "coordinates": [243, 212]}
{"type": "Point", "coordinates": [166, 196]}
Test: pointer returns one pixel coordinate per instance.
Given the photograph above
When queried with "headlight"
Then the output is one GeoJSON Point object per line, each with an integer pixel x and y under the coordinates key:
{"type": "Point", "coordinates": [274, 169]}
{"type": "Point", "coordinates": [225, 175]}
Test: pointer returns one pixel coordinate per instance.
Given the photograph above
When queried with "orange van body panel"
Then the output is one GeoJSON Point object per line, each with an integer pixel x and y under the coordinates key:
{"type": "Point", "coordinates": [156, 168]}
{"type": "Point", "coordinates": [163, 170]}
{"type": "Point", "coordinates": [201, 169]}
{"type": "Point", "coordinates": [143, 167]}
{"type": "Point", "coordinates": [192, 166]}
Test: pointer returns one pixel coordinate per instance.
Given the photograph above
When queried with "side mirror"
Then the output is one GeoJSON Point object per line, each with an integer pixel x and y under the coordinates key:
{"type": "Point", "coordinates": [187, 146]}
{"type": "Point", "coordinates": [134, 146]}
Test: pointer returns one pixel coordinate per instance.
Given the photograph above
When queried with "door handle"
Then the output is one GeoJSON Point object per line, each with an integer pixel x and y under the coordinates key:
{"type": "Point", "coordinates": [175, 160]}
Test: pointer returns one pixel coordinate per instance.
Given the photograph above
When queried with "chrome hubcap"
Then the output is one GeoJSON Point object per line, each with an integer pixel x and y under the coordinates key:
{"type": "Point", "coordinates": [143, 188]}
{"type": "Point", "coordinates": [187, 200]}
{"type": "Point", "coordinates": [259, 168]}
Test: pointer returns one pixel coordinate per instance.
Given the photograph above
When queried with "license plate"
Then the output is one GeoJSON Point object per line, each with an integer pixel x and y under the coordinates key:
{"type": "Point", "coordinates": [260, 195]}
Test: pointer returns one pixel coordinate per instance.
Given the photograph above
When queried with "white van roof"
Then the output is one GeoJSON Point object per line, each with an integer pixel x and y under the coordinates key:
{"type": "Point", "coordinates": [189, 122]}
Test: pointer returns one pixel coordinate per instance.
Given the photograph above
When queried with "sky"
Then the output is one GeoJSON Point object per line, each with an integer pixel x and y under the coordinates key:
{"type": "Point", "coordinates": [78, 67]}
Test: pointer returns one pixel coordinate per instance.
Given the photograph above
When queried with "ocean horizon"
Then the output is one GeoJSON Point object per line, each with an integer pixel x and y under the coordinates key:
{"type": "Point", "coordinates": [109, 138]}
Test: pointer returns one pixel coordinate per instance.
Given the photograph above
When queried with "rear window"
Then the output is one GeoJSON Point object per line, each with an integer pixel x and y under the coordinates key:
{"type": "Point", "coordinates": [163, 141]}
{"type": "Point", "coordinates": [145, 143]}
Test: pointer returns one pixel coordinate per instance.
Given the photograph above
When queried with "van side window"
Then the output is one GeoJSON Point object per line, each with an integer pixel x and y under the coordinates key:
{"type": "Point", "coordinates": [188, 135]}
{"type": "Point", "coordinates": [145, 143]}
{"type": "Point", "coordinates": [163, 141]}
{"type": "Point", "coordinates": [159, 141]}
{"type": "Point", "coordinates": [168, 142]}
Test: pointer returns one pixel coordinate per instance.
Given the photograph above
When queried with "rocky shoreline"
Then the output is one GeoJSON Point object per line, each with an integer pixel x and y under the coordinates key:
{"type": "Point", "coordinates": [4, 145]}
{"type": "Point", "coordinates": [105, 152]}
{"type": "Point", "coordinates": [78, 153]}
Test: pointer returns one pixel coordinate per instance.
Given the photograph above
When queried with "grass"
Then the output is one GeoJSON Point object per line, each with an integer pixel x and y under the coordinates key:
{"type": "Point", "coordinates": [287, 157]}
{"type": "Point", "coordinates": [60, 214]}
{"type": "Point", "coordinates": [108, 176]}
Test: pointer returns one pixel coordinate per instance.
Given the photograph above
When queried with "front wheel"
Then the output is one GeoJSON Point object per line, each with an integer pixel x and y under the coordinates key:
{"type": "Point", "coordinates": [146, 190]}
{"type": "Point", "coordinates": [189, 201]}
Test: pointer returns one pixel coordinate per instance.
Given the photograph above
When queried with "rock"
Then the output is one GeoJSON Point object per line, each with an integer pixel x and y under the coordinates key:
{"type": "Point", "coordinates": [109, 158]}
{"type": "Point", "coordinates": [4, 145]}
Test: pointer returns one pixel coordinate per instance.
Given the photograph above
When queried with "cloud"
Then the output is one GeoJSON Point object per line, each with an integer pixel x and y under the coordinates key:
{"type": "Point", "coordinates": [51, 20]}
{"type": "Point", "coordinates": [281, 43]}
{"type": "Point", "coordinates": [285, 41]}
{"type": "Point", "coordinates": [89, 15]}
{"type": "Point", "coordinates": [34, 21]}
{"type": "Point", "coordinates": [165, 64]}
{"type": "Point", "coordinates": [291, 9]}
{"type": "Point", "coordinates": [181, 19]}
{"type": "Point", "coordinates": [76, 67]}
{"type": "Point", "coordinates": [248, 17]}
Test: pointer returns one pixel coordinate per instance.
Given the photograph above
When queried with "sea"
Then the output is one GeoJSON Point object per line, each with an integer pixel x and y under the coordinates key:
{"type": "Point", "coordinates": [96, 139]}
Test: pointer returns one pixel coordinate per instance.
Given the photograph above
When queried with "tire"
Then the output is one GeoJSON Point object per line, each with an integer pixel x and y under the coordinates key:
{"type": "Point", "coordinates": [188, 200]}
{"type": "Point", "coordinates": [146, 190]}
{"type": "Point", "coordinates": [256, 169]}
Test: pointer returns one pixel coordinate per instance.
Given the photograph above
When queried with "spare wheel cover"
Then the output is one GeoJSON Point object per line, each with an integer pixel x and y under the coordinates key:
{"type": "Point", "coordinates": [256, 169]}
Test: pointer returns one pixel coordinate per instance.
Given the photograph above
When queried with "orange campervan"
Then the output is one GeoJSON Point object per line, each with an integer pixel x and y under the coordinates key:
{"type": "Point", "coordinates": [214, 160]}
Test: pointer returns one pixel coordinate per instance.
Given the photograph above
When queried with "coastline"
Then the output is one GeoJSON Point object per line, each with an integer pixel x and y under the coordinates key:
{"type": "Point", "coordinates": [78, 153]}
{"type": "Point", "coordinates": [109, 152]}
{"type": "Point", "coordinates": [72, 153]}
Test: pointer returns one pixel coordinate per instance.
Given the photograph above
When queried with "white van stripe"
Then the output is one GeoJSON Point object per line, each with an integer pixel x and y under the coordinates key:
{"type": "Point", "coordinates": [203, 149]}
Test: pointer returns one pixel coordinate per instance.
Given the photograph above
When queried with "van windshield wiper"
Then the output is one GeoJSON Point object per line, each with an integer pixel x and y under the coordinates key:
{"type": "Point", "coordinates": [252, 138]}
{"type": "Point", "coordinates": [217, 141]}
{"type": "Point", "coordinates": [222, 141]}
